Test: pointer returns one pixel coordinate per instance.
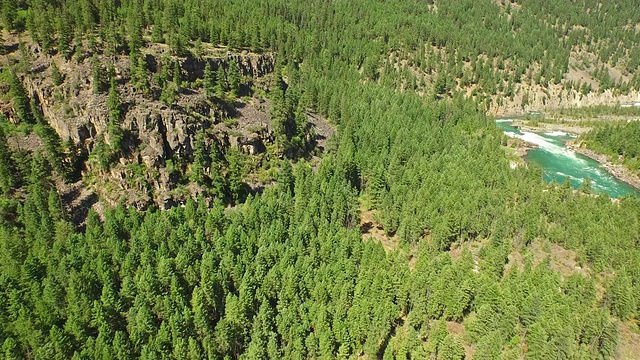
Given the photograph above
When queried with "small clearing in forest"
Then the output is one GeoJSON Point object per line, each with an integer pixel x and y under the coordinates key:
{"type": "Point", "coordinates": [372, 229]}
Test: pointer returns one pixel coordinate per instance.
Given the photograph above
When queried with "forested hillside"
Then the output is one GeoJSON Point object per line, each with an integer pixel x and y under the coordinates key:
{"type": "Point", "coordinates": [484, 262]}
{"type": "Point", "coordinates": [621, 142]}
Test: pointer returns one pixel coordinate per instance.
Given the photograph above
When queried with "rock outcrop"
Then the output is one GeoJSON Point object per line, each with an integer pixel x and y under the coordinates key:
{"type": "Point", "coordinates": [76, 113]}
{"type": "Point", "coordinates": [153, 132]}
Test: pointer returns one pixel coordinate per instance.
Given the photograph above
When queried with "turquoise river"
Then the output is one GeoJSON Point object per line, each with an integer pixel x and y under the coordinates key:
{"type": "Point", "coordinates": [559, 163]}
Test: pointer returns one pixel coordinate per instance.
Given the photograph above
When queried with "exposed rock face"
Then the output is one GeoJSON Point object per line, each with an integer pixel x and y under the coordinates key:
{"type": "Point", "coordinates": [153, 132]}
{"type": "Point", "coordinates": [250, 65]}
{"type": "Point", "coordinates": [558, 98]}
{"type": "Point", "coordinates": [251, 144]}
{"type": "Point", "coordinates": [86, 115]}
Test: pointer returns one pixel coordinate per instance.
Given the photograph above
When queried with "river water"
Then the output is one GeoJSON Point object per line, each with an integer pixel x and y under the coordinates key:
{"type": "Point", "coordinates": [559, 163]}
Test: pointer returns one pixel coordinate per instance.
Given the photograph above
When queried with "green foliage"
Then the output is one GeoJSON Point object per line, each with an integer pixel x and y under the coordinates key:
{"type": "Point", "coordinates": [621, 298]}
{"type": "Point", "coordinates": [235, 174]}
{"type": "Point", "coordinates": [221, 82]}
{"type": "Point", "coordinates": [18, 94]}
{"type": "Point", "coordinates": [233, 78]}
{"type": "Point", "coordinates": [177, 74]}
{"type": "Point", "coordinates": [450, 349]}
{"type": "Point", "coordinates": [9, 14]}
{"type": "Point", "coordinates": [24, 64]}
{"type": "Point", "coordinates": [620, 141]}
{"type": "Point", "coordinates": [7, 176]}
{"type": "Point", "coordinates": [113, 103]}
{"type": "Point", "coordinates": [209, 81]}
{"type": "Point", "coordinates": [140, 74]}
{"type": "Point", "coordinates": [169, 94]}
{"type": "Point", "coordinates": [285, 273]}
{"type": "Point", "coordinates": [53, 148]}
{"type": "Point", "coordinates": [56, 77]}
{"type": "Point", "coordinates": [285, 176]}
{"type": "Point", "coordinates": [98, 76]}
{"type": "Point", "coordinates": [65, 36]}
{"type": "Point", "coordinates": [135, 27]}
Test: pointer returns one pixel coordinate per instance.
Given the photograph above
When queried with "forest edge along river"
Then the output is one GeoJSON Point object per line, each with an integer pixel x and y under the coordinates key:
{"type": "Point", "coordinates": [559, 163]}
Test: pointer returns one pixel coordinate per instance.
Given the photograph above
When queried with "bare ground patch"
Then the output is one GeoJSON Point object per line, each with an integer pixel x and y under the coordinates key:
{"type": "Point", "coordinates": [474, 247]}
{"type": "Point", "coordinates": [458, 329]}
{"type": "Point", "coordinates": [30, 142]}
{"type": "Point", "coordinates": [78, 199]}
{"type": "Point", "coordinates": [322, 128]}
{"type": "Point", "coordinates": [561, 260]}
{"type": "Point", "coordinates": [372, 230]}
{"type": "Point", "coordinates": [629, 345]}
{"type": "Point", "coordinates": [252, 115]}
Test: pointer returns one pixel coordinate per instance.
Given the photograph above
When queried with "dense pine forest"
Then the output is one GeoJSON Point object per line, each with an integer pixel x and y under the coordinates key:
{"type": "Point", "coordinates": [471, 258]}
{"type": "Point", "coordinates": [620, 141]}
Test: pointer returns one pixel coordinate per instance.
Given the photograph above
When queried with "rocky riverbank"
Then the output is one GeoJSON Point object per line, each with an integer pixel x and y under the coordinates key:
{"type": "Point", "coordinates": [520, 149]}
{"type": "Point", "coordinates": [542, 127]}
{"type": "Point", "coordinates": [620, 172]}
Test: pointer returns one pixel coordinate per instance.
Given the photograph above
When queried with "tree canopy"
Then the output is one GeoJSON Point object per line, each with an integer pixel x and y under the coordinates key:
{"type": "Point", "coordinates": [286, 273]}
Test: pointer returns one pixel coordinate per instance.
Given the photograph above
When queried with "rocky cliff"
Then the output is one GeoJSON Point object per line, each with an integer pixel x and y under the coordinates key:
{"type": "Point", "coordinates": [154, 132]}
{"type": "Point", "coordinates": [78, 114]}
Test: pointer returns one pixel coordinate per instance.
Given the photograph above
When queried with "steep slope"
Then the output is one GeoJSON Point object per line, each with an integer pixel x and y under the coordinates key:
{"type": "Point", "coordinates": [158, 139]}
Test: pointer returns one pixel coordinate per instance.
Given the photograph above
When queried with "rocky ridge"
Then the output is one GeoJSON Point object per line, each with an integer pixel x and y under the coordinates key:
{"type": "Point", "coordinates": [154, 133]}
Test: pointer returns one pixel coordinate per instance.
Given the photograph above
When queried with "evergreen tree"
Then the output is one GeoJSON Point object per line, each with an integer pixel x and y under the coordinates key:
{"type": "Point", "coordinates": [55, 74]}
{"type": "Point", "coordinates": [113, 103]}
{"type": "Point", "coordinates": [209, 81]}
{"type": "Point", "coordinates": [157, 32]}
{"type": "Point", "coordinates": [24, 65]}
{"type": "Point", "coordinates": [140, 74]}
{"type": "Point", "coordinates": [280, 113]}
{"type": "Point", "coordinates": [134, 28]}
{"type": "Point", "coordinates": [177, 74]}
{"type": "Point", "coordinates": [97, 75]}
{"type": "Point", "coordinates": [287, 274]}
{"type": "Point", "coordinates": [488, 347]}
{"type": "Point", "coordinates": [235, 174]}
{"type": "Point", "coordinates": [176, 42]}
{"type": "Point", "coordinates": [537, 341]}
{"type": "Point", "coordinates": [450, 349]}
{"type": "Point", "coordinates": [233, 78]}
{"type": "Point", "coordinates": [10, 349]}
{"type": "Point", "coordinates": [65, 35]}
{"type": "Point", "coordinates": [169, 94]}
{"type": "Point", "coordinates": [163, 75]}
{"type": "Point", "coordinates": [21, 103]}
{"type": "Point", "coordinates": [620, 297]}
{"type": "Point", "coordinates": [115, 116]}
{"type": "Point", "coordinates": [7, 174]}
{"type": "Point", "coordinates": [218, 184]}
{"type": "Point", "coordinates": [221, 82]}
{"type": "Point", "coordinates": [43, 29]}
{"type": "Point", "coordinates": [285, 177]}
{"type": "Point", "coordinates": [9, 14]}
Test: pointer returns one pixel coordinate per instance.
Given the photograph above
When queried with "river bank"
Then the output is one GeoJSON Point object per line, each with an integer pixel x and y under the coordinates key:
{"type": "Point", "coordinates": [620, 172]}
{"type": "Point", "coordinates": [519, 150]}
{"type": "Point", "coordinates": [520, 147]}
{"type": "Point", "coordinates": [558, 156]}
{"type": "Point", "coordinates": [543, 127]}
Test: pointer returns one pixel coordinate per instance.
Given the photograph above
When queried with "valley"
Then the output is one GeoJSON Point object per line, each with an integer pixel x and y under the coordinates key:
{"type": "Point", "coordinates": [223, 179]}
